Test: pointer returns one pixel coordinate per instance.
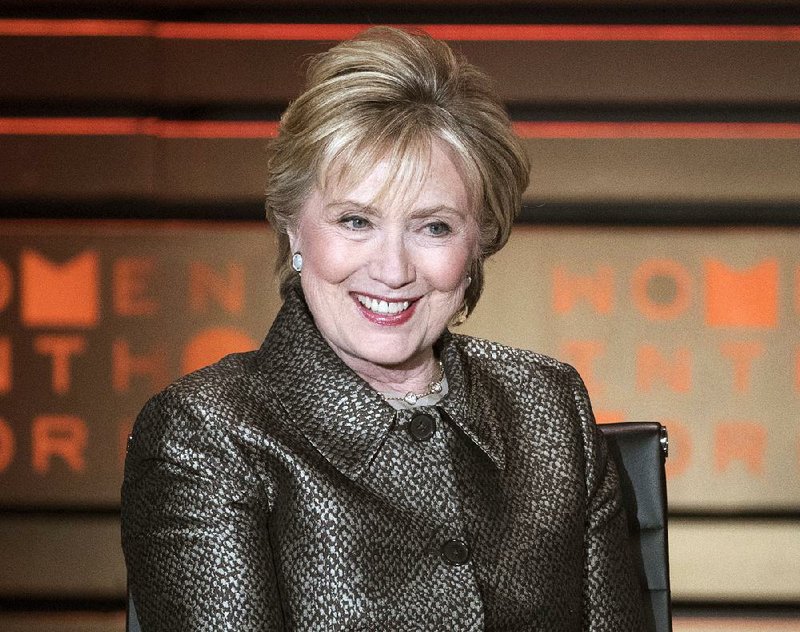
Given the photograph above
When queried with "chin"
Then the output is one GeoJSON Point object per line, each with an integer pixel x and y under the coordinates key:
{"type": "Point", "coordinates": [391, 357]}
{"type": "Point", "coordinates": [386, 352]}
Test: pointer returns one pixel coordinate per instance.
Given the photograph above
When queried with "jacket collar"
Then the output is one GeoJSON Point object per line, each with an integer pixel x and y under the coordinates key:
{"type": "Point", "coordinates": [342, 416]}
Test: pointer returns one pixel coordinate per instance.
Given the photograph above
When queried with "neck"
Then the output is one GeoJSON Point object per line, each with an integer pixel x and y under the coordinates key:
{"type": "Point", "coordinates": [414, 375]}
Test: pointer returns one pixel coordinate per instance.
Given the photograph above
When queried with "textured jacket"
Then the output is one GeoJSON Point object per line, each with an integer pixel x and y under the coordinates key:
{"type": "Point", "coordinates": [275, 490]}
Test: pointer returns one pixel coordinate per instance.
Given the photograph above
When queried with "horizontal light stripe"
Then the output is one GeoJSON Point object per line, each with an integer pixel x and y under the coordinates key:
{"type": "Point", "coordinates": [76, 28]}
{"type": "Point", "coordinates": [452, 32]}
{"type": "Point", "coordinates": [735, 561]}
{"type": "Point", "coordinates": [731, 624]}
{"type": "Point", "coordinates": [215, 129]}
{"type": "Point", "coordinates": [136, 127]}
{"type": "Point", "coordinates": [656, 129]}
{"type": "Point", "coordinates": [75, 126]}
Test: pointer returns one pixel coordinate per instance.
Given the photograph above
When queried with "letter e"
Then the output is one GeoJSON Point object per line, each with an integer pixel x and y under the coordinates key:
{"type": "Point", "coordinates": [131, 276]}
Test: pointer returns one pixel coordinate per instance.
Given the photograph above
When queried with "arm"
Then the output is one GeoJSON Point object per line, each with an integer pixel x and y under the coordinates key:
{"type": "Point", "coordinates": [612, 600]}
{"type": "Point", "coordinates": [194, 528]}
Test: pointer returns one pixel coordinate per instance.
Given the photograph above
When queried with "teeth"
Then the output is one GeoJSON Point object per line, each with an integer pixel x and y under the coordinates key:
{"type": "Point", "coordinates": [382, 307]}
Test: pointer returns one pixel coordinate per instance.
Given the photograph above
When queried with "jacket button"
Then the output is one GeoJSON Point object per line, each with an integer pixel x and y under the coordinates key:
{"type": "Point", "coordinates": [422, 427]}
{"type": "Point", "coordinates": [455, 552]}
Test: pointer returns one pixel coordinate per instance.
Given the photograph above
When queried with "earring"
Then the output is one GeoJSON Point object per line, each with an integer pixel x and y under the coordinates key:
{"type": "Point", "coordinates": [460, 317]}
{"type": "Point", "coordinates": [297, 262]}
{"type": "Point", "coordinates": [469, 280]}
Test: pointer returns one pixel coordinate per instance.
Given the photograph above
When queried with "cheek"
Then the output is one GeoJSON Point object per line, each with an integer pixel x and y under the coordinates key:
{"type": "Point", "coordinates": [448, 268]}
{"type": "Point", "coordinates": [327, 257]}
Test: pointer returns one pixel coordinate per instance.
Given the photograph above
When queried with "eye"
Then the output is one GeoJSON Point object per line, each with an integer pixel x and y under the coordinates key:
{"type": "Point", "coordinates": [354, 222]}
{"type": "Point", "coordinates": [438, 229]}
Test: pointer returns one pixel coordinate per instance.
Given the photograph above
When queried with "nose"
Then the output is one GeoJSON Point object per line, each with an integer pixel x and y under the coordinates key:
{"type": "Point", "coordinates": [392, 263]}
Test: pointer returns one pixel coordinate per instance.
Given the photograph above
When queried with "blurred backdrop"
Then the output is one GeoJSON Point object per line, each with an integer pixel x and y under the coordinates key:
{"type": "Point", "coordinates": [658, 250]}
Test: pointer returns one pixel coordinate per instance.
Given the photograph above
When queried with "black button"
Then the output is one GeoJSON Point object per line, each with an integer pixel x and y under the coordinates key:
{"type": "Point", "coordinates": [455, 552]}
{"type": "Point", "coordinates": [422, 427]}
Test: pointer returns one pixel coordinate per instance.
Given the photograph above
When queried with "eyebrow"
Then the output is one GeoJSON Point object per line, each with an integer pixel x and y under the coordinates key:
{"type": "Point", "coordinates": [418, 212]}
{"type": "Point", "coordinates": [363, 208]}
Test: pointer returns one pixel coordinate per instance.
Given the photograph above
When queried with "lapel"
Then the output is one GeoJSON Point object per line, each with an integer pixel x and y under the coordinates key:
{"type": "Point", "coordinates": [342, 416]}
{"type": "Point", "coordinates": [476, 400]}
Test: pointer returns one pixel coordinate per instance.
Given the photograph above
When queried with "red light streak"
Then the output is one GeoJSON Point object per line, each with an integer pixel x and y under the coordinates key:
{"type": "Point", "coordinates": [268, 129]}
{"type": "Point", "coordinates": [451, 32]}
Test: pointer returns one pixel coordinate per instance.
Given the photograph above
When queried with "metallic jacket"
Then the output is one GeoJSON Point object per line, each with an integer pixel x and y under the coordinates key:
{"type": "Point", "coordinates": [275, 490]}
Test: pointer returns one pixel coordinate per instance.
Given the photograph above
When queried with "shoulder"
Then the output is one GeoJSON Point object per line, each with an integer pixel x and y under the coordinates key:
{"type": "Point", "coordinates": [182, 452]}
{"type": "Point", "coordinates": [213, 388]}
{"type": "Point", "coordinates": [545, 397]}
{"type": "Point", "coordinates": [227, 377]}
{"type": "Point", "coordinates": [493, 358]}
{"type": "Point", "coordinates": [212, 398]}
{"type": "Point", "coordinates": [190, 422]}
{"type": "Point", "coordinates": [526, 381]}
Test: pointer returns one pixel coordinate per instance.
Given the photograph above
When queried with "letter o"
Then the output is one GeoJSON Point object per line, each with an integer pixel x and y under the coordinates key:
{"type": "Point", "coordinates": [661, 268]}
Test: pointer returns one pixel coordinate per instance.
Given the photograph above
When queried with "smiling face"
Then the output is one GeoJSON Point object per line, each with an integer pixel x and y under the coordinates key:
{"type": "Point", "coordinates": [383, 275]}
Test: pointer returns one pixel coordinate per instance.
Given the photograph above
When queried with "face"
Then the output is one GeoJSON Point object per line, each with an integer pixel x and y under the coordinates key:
{"type": "Point", "coordinates": [383, 280]}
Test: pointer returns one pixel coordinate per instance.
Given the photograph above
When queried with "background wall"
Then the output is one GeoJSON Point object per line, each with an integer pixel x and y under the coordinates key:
{"type": "Point", "coordinates": [658, 251]}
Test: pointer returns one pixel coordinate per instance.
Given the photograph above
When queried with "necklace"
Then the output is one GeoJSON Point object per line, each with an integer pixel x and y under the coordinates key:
{"type": "Point", "coordinates": [412, 398]}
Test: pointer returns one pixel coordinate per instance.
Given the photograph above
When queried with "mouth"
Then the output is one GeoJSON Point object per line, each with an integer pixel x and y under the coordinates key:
{"type": "Point", "coordinates": [384, 311]}
{"type": "Point", "coordinates": [381, 306]}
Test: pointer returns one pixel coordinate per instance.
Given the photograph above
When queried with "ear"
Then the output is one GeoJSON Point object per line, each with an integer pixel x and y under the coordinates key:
{"type": "Point", "coordinates": [294, 240]}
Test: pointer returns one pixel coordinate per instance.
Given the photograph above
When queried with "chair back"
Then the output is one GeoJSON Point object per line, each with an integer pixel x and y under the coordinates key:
{"type": "Point", "coordinates": [640, 450]}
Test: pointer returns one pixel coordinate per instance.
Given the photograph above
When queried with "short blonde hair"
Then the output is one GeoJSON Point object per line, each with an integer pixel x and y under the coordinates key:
{"type": "Point", "coordinates": [390, 94]}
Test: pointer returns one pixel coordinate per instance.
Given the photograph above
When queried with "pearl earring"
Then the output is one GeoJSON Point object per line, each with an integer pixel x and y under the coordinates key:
{"type": "Point", "coordinates": [297, 262]}
{"type": "Point", "coordinates": [469, 280]}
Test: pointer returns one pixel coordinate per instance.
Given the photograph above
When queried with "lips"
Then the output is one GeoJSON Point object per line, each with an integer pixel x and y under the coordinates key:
{"type": "Point", "coordinates": [385, 311]}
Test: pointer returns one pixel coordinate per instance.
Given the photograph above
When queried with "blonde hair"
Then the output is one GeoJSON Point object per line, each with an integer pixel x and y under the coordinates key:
{"type": "Point", "coordinates": [389, 94]}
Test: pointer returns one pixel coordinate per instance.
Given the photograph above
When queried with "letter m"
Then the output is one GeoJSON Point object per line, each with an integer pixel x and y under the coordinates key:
{"type": "Point", "coordinates": [60, 295]}
{"type": "Point", "coordinates": [746, 298]}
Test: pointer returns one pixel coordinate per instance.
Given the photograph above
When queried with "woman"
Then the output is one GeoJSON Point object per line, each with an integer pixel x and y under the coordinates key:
{"type": "Point", "coordinates": [366, 469]}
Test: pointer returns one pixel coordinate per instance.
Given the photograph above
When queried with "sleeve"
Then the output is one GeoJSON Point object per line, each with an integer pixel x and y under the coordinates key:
{"type": "Point", "coordinates": [194, 527]}
{"type": "Point", "coordinates": [612, 599]}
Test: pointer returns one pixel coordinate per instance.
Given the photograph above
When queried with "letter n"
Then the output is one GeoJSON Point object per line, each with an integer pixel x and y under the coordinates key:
{"type": "Point", "coordinates": [205, 283]}
{"type": "Point", "coordinates": [652, 366]}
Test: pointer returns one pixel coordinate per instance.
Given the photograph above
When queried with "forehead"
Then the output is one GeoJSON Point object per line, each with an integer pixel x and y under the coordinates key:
{"type": "Point", "coordinates": [426, 177]}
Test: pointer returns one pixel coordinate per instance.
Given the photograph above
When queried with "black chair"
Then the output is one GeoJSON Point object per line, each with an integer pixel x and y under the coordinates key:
{"type": "Point", "coordinates": [639, 449]}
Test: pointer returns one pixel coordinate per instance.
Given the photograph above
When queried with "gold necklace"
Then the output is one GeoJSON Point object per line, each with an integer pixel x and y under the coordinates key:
{"type": "Point", "coordinates": [412, 398]}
